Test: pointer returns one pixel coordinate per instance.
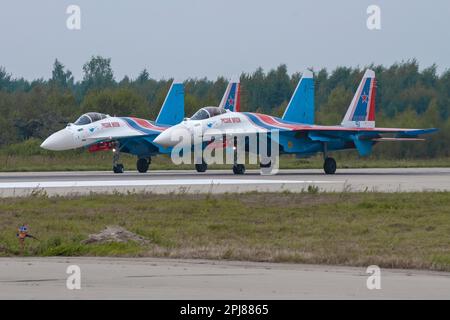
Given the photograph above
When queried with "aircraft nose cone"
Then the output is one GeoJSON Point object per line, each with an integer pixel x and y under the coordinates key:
{"type": "Point", "coordinates": [164, 138]}
{"type": "Point", "coordinates": [61, 140]}
{"type": "Point", "coordinates": [172, 136]}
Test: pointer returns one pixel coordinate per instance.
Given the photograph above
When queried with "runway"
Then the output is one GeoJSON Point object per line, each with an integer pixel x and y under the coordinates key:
{"type": "Point", "coordinates": [221, 181]}
{"type": "Point", "coordinates": [151, 278]}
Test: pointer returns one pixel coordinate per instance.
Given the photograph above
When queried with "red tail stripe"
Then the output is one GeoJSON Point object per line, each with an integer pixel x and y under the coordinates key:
{"type": "Point", "coordinates": [372, 100]}
{"type": "Point", "coordinates": [147, 124]}
{"type": "Point", "coordinates": [238, 98]}
{"type": "Point", "coordinates": [271, 121]}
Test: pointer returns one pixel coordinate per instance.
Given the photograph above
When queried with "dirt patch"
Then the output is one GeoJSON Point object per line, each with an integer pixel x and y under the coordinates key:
{"type": "Point", "coordinates": [114, 234]}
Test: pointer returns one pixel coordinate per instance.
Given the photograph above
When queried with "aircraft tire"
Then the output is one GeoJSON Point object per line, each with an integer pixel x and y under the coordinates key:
{"type": "Point", "coordinates": [329, 166]}
{"type": "Point", "coordinates": [142, 165]}
{"type": "Point", "coordinates": [201, 167]}
{"type": "Point", "coordinates": [265, 165]}
{"type": "Point", "coordinates": [118, 168]}
{"type": "Point", "coordinates": [238, 169]}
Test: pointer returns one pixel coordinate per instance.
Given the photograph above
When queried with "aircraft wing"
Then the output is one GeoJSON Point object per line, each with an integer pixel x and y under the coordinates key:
{"type": "Point", "coordinates": [265, 122]}
{"type": "Point", "coordinates": [233, 132]}
{"type": "Point", "coordinates": [363, 138]}
{"type": "Point", "coordinates": [339, 131]}
{"type": "Point", "coordinates": [115, 136]}
{"type": "Point", "coordinates": [327, 133]}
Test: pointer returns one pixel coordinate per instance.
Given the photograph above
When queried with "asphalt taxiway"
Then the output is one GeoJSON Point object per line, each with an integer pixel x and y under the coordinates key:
{"type": "Point", "coordinates": [151, 278]}
{"type": "Point", "coordinates": [221, 181]}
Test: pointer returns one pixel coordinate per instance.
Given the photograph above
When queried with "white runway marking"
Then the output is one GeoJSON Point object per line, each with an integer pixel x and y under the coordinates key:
{"type": "Point", "coordinates": [174, 182]}
{"type": "Point", "coordinates": [222, 181]}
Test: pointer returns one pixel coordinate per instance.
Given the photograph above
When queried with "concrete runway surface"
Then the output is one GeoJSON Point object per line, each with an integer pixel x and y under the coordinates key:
{"type": "Point", "coordinates": [151, 278]}
{"type": "Point", "coordinates": [220, 181]}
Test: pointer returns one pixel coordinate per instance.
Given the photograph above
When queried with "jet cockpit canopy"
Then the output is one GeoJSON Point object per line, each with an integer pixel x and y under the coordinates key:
{"type": "Point", "coordinates": [207, 112]}
{"type": "Point", "coordinates": [90, 117]}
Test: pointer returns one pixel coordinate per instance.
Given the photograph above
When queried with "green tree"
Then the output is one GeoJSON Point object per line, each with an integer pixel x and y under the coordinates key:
{"type": "Point", "coordinates": [333, 111]}
{"type": "Point", "coordinates": [144, 76]}
{"type": "Point", "coordinates": [61, 78]}
{"type": "Point", "coordinates": [406, 97]}
{"type": "Point", "coordinates": [116, 102]}
{"type": "Point", "coordinates": [97, 73]}
{"type": "Point", "coordinates": [5, 79]}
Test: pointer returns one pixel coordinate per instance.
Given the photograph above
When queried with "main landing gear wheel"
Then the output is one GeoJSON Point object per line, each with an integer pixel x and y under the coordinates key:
{"type": "Point", "coordinates": [329, 166]}
{"type": "Point", "coordinates": [238, 169]}
{"type": "Point", "coordinates": [142, 165]}
{"type": "Point", "coordinates": [265, 168]}
{"type": "Point", "coordinates": [265, 165]}
{"type": "Point", "coordinates": [118, 168]}
{"type": "Point", "coordinates": [201, 167]}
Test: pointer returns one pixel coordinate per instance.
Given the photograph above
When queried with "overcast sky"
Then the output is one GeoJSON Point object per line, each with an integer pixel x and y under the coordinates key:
{"type": "Point", "coordinates": [197, 38]}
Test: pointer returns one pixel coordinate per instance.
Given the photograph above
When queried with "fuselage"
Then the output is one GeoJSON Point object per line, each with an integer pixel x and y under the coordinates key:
{"type": "Point", "coordinates": [100, 128]}
{"type": "Point", "coordinates": [245, 123]}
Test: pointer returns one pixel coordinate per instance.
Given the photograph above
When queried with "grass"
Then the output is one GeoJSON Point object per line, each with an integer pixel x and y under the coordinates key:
{"type": "Point", "coordinates": [28, 156]}
{"type": "Point", "coordinates": [103, 162]}
{"type": "Point", "coordinates": [403, 230]}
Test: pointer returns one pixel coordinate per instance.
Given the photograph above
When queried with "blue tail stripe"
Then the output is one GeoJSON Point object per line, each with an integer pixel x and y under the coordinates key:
{"type": "Point", "coordinates": [259, 123]}
{"type": "Point", "coordinates": [301, 106]}
{"type": "Point", "coordinates": [360, 113]}
{"type": "Point", "coordinates": [172, 110]}
{"type": "Point", "coordinates": [230, 102]}
{"type": "Point", "coordinates": [256, 121]}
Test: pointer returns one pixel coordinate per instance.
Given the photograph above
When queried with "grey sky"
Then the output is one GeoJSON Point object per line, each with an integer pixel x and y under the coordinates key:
{"type": "Point", "coordinates": [196, 38]}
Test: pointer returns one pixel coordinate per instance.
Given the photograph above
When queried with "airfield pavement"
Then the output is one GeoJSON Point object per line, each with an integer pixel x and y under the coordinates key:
{"type": "Point", "coordinates": [221, 181]}
{"type": "Point", "coordinates": [152, 278]}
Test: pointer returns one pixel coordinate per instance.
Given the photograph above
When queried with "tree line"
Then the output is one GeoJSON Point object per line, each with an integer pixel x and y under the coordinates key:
{"type": "Point", "coordinates": [406, 97]}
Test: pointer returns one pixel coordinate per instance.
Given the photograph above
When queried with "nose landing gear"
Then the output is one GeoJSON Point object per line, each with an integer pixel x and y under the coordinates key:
{"type": "Point", "coordinates": [117, 167]}
{"type": "Point", "coordinates": [237, 167]}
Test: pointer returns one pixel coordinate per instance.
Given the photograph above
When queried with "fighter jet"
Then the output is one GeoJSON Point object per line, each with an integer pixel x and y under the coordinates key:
{"type": "Point", "coordinates": [135, 136]}
{"type": "Point", "coordinates": [98, 132]}
{"type": "Point", "coordinates": [297, 133]}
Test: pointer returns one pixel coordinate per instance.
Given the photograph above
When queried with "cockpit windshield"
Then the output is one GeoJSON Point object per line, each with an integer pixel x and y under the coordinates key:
{"type": "Point", "coordinates": [89, 118]}
{"type": "Point", "coordinates": [200, 115]}
{"type": "Point", "coordinates": [207, 112]}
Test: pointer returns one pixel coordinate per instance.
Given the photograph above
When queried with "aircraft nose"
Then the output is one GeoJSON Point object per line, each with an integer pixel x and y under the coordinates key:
{"type": "Point", "coordinates": [61, 140]}
{"type": "Point", "coordinates": [164, 138]}
{"type": "Point", "coordinates": [172, 136]}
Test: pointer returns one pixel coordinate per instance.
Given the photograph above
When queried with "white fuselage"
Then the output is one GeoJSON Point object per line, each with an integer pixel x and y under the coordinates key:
{"type": "Point", "coordinates": [229, 123]}
{"type": "Point", "coordinates": [75, 136]}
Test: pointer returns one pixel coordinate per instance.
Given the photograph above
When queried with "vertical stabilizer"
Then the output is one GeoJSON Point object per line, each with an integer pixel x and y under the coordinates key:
{"type": "Point", "coordinates": [231, 98]}
{"type": "Point", "coordinates": [361, 112]}
{"type": "Point", "coordinates": [172, 110]}
{"type": "Point", "coordinates": [301, 106]}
